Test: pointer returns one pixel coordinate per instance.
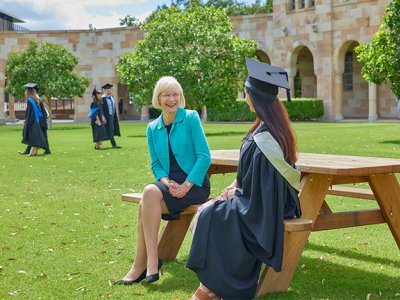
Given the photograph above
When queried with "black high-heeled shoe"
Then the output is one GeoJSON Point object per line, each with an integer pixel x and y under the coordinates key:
{"type": "Point", "coordinates": [137, 280]}
{"type": "Point", "coordinates": [154, 277]}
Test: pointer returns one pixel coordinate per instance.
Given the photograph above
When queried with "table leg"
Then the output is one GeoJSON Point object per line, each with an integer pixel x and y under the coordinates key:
{"type": "Point", "coordinates": [386, 190]}
{"type": "Point", "coordinates": [312, 197]}
{"type": "Point", "coordinates": [172, 236]}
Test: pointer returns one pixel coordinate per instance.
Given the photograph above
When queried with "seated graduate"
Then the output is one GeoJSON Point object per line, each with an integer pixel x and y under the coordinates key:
{"type": "Point", "coordinates": [97, 119]}
{"type": "Point", "coordinates": [180, 159]}
{"type": "Point", "coordinates": [234, 236]}
{"type": "Point", "coordinates": [34, 133]}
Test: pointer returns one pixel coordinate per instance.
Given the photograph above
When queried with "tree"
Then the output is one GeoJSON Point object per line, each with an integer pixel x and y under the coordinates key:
{"type": "Point", "coordinates": [196, 47]}
{"type": "Point", "coordinates": [48, 65]}
{"type": "Point", "coordinates": [129, 21]}
{"type": "Point", "coordinates": [231, 7]}
{"type": "Point", "coordinates": [381, 56]}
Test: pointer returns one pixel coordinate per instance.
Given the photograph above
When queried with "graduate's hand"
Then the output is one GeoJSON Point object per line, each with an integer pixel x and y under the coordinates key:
{"type": "Point", "coordinates": [104, 120]}
{"type": "Point", "coordinates": [228, 193]}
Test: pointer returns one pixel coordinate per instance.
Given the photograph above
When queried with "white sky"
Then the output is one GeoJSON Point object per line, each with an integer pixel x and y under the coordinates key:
{"type": "Point", "coordinates": [78, 14]}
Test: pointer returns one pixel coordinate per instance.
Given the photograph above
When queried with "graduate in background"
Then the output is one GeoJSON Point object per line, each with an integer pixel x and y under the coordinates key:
{"type": "Point", "coordinates": [234, 236]}
{"type": "Point", "coordinates": [35, 125]}
{"type": "Point", "coordinates": [110, 113]}
{"type": "Point", "coordinates": [97, 120]}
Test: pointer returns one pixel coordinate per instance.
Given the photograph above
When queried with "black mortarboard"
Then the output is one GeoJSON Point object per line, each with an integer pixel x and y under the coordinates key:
{"type": "Point", "coordinates": [96, 91]}
{"type": "Point", "coordinates": [107, 86]}
{"type": "Point", "coordinates": [31, 86]}
{"type": "Point", "coordinates": [266, 80]}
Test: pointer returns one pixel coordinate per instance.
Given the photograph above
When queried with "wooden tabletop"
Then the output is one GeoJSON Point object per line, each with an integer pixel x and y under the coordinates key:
{"type": "Point", "coordinates": [323, 163]}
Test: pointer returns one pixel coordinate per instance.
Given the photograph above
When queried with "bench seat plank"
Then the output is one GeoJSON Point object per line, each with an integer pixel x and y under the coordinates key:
{"type": "Point", "coordinates": [291, 225]}
{"type": "Point", "coordinates": [346, 191]}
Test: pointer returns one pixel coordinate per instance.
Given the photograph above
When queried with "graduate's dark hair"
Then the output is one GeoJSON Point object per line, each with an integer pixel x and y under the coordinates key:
{"type": "Point", "coordinates": [98, 100]}
{"type": "Point", "coordinates": [275, 116]}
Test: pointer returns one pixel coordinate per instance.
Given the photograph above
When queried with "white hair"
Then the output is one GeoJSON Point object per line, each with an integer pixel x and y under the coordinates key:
{"type": "Point", "coordinates": [167, 83]}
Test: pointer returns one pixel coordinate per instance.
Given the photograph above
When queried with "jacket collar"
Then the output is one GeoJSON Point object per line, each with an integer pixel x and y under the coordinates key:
{"type": "Point", "coordinates": [180, 115]}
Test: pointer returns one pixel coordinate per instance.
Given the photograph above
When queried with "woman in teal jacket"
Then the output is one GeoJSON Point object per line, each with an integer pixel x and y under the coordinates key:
{"type": "Point", "coordinates": [180, 159]}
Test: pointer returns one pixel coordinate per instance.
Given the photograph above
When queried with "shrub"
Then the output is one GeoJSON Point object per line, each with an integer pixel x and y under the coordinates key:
{"type": "Point", "coordinates": [299, 109]}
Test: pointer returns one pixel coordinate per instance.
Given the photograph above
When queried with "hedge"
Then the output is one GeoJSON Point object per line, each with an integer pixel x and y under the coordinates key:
{"type": "Point", "coordinates": [299, 109]}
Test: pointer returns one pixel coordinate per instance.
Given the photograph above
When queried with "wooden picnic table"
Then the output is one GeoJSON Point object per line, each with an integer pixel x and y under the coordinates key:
{"type": "Point", "coordinates": [319, 173]}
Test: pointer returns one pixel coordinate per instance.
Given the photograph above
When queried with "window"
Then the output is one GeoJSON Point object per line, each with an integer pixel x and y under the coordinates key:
{"type": "Point", "coordinates": [302, 4]}
{"type": "Point", "coordinates": [348, 72]}
{"type": "Point", "coordinates": [312, 3]}
{"type": "Point", "coordinates": [292, 5]}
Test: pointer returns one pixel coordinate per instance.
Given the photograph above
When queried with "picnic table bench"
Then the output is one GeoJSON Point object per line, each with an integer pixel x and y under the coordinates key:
{"type": "Point", "coordinates": [173, 232]}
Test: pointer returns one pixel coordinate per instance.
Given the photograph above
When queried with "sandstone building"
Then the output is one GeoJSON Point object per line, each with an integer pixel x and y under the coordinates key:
{"type": "Point", "coordinates": [313, 40]}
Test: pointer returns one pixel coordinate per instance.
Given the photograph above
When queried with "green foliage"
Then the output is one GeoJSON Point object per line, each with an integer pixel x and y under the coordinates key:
{"type": "Point", "coordinates": [197, 48]}
{"type": "Point", "coordinates": [304, 109]}
{"type": "Point", "coordinates": [231, 7]}
{"type": "Point", "coordinates": [299, 109]}
{"type": "Point", "coordinates": [48, 65]}
{"type": "Point", "coordinates": [129, 21]}
{"type": "Point", "coordinates": [381, 56]}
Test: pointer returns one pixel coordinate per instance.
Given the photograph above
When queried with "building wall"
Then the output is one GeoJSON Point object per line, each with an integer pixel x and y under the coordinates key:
{"type": "Point", "coordinates": [327, 30]}
{"type": "Point", "coordinates": [312, 40]}
{"type": "Point", "coordinates": [98, 51]}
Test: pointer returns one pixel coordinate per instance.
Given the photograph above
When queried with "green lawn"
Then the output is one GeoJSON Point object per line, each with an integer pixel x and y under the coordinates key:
{"type": "Point", "coordinates": [65, 234]}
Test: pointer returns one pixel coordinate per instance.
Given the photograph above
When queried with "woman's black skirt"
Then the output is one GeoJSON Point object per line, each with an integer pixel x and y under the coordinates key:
{"type": "Point", "coordinates": [196, 195]}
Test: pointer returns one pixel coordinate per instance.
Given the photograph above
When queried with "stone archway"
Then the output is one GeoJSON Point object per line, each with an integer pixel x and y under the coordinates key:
{"type": "Point", "coordinates": [262, 56]}
{"type": "Point", "coordinates": [303, 76]}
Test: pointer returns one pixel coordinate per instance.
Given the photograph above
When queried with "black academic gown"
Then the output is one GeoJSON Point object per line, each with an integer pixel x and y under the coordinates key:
{"type": "Point", "coordinates": [234, 237]}
{"type": "Point", "coordinates": [107, 115]}
{"type": "Point", "coordinates": [32, 133]}
{"type": "Point", "coordinates": [98, 131]}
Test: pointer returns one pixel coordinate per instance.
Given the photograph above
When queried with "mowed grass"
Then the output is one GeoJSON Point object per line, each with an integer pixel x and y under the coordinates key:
{"type": "Point", "coordinates": [65, 233]}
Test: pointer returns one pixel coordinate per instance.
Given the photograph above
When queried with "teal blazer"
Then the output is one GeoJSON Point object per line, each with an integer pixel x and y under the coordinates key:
{"type": "Point", "coordinates": [188, 144]}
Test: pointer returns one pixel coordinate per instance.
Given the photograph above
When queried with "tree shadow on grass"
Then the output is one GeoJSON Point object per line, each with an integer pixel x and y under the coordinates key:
{"type": "Point", "coordinates": [353, 255]}
{"type": "Point", "coordinates": [180, 279]}
{"type": "Point", "coordinates": [313, 279]}
{"type": "Point", "coordinates": [394, 142]}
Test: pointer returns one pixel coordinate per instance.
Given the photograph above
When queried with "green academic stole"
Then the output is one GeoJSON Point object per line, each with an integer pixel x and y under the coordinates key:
{"type": "Point", "coordinates": [271, 149]}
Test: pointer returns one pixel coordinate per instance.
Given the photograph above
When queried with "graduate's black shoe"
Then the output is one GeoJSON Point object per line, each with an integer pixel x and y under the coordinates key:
{"type": "Point", "coordinates": [23, 152]}
{"type": "Point", "coordinates": [154, 277]}
{"type": "Point", "coordinates": [47, 152]}
{"type": "Point", "coordinates": [116, 147]}
{"type": "Point", "coordinates": [137, 280]}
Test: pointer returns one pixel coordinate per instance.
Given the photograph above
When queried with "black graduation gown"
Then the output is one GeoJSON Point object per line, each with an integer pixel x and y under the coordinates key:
{"type": "Point", "coordinates": [234, 237]}
{"type": "Point", "coordinates": [107, 115]}
{"type": "Point", "coordinates": [32, 133]}
{"type": "Point", "coordinates": [98, 131]}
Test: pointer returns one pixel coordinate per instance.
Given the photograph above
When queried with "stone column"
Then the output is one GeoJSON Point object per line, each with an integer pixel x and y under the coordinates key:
{"type": "Point", "coordinates": [145, 113]}
{"type": "Point", "coordinates": [373, 102]}
{"type": "Point", "coordinates": [291, 85]}
{"type": "Point", "coordinates": [2, 118]}
{"type": "Point", "coordinates": [338, 92]}
{"type": "Point", "coordinates": [204, 113]}
{"type": "Point", "coordinates": [11, 109]}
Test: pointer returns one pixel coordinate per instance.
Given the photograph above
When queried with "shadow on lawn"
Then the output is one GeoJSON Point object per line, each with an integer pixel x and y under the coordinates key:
{"type": "Point", "coordinates": [395, 142]}
{"type": "Point", "coordinates": [353, 255]}
{"type": "Point", "coordinates": [179, 279]}
{"type": "Point", "coordinates": [319, 279]}
{"type": "Point", "coordinates": [315, 279]}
